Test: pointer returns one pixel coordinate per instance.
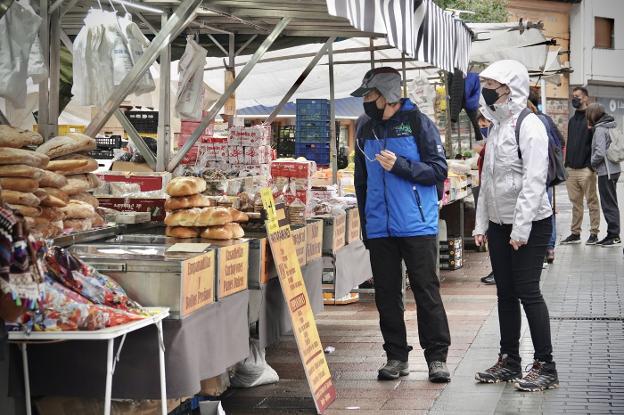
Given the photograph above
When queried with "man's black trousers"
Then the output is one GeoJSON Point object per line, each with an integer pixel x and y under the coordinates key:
{"type": "Point", "coordinates": [420, 256]}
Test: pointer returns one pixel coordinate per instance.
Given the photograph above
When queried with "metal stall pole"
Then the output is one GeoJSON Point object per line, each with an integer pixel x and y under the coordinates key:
{"type": "Point", "coordinates": [55, 72]}
{"type": "Point", "coordinates": [181, 17]}
{"type": "Point", "coordinates": [448, 140]}
{"type": "Point", "coordinates": [372, 52]}
{"type": "Point", "coordinates": [44, 38]}
{"type": "Point", "coordinates": [333, 152]}
{"type": "Point", "coordinates": [299, 81]}
{"type": "Point", "coordinates": [279, 28]}
{"type": "Point", "coordinates": [404, 70]}
{"type": "Point", "coordinates": [163, 149]}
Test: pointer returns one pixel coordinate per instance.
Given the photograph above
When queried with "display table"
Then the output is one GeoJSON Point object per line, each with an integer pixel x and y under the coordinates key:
{"type": "Point", "coordinates": [109, 335]}
{"type": "Point", "coordinates": [352, 268]}
{"type": "Point", "coordinates": [273, 318]}
{"type": "Point", "coordinates": [198, 347]}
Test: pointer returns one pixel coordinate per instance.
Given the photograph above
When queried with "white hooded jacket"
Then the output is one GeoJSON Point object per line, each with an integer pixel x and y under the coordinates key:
{"type": "Point", "coordinates": [513, 190]}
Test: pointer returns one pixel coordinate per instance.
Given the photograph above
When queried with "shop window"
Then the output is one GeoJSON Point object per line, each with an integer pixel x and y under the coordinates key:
{"type": "Point", "coordinates": [604, 32]}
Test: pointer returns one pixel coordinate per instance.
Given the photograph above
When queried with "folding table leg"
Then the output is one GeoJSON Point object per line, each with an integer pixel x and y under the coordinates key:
{"type": "Point", "coordinates": [109, 378]}
{"type": "Point", "coordinates": [161, 361]}
{"type": "Point", "coordinates": [23, 346]}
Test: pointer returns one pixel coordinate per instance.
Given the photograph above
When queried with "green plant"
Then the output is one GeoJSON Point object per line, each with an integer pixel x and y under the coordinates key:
{"type": "Point", "coordinates": [486, 11]}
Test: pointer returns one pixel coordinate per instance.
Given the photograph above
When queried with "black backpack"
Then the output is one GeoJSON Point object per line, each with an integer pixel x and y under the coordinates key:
{"type": "Point", "coordinates": [557, 173]}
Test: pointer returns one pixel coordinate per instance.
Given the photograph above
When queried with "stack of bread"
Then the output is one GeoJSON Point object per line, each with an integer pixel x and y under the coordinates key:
{"type": "Point", "coordinates": [69, 178]}
{"type": "Point", "coordinates": [191, 214]}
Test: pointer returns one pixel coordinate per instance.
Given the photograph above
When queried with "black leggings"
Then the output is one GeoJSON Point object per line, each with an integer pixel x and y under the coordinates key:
{"type": "Point", "coordinates": [517, 275]}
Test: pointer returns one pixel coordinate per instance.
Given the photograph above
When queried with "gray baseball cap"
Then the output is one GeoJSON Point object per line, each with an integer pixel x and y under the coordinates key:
{"type": "Point", "coordinates": [386, 80]}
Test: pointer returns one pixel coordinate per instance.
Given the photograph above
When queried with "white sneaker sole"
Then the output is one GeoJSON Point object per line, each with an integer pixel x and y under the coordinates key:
{"type": "Point", "coordinates": [611, 246]}
{"type": "Point", "coordinates": [570, 243]}
{"type": "Point", "coordinates": [520, 388]}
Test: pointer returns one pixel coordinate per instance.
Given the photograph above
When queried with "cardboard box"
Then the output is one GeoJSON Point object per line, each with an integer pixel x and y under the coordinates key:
{"type": "Point", "coordinates": [148, 181]}
{"type": "Point", "coordinates": [54, 405]}
{"type": "Point", "coordinates": [215, 386]}
{"type": "Point", "coordinates": [156, 207]}
{"type": "Point", "coordinates": [334, 232]}
{"type": "Point", "coordinates": [291, 168]}
{"type": "Point", "coordinates": [250, 136]}
{"type": "Point", "coordinates": [130, 167]}
{"type": "Point", "coordinates": [232, 268]}
{"type": "Point", "coordinates": [314, 240]}
{"type": "Point", "coordinates": [257, 155]}
{"type": "Point", "coordinates": [260, 260]}
{"type": "Point", "coordinates": [353, 225]}
{"type": "Point", "coordinates": [299, 237]}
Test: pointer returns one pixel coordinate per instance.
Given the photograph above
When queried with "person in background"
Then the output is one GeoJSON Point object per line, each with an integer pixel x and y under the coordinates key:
{"type": "Point", "coordinates": [479, 147]}
{"type": "Point", "coordinates": [554, 135]}
{"type": "Point", "coordinates": [581, 182]}
{"type": "Point", "coordinates": [514, 216]}
{"type": "Point", "coordinates": [608, 172]}
{"type": "Point", "coordinates": [397, 168]}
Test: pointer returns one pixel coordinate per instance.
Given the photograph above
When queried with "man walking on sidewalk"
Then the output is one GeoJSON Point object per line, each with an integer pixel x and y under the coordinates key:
{"type": "Point", "coordinates": [581, 183]}
{"type": "Point", "coordinates": [399, 160]}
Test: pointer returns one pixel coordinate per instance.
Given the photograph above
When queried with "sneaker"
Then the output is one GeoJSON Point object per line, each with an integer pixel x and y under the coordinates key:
{"type": "Point", "coordinates": [592, 240]}
{"type": "Point", "coordinates": [488, 279]}
{"type": "Point", "coordinates": [572, 239]}
{"type": "Point", "coordinates": [505, 370]}
{"type": "Point", "coordinates": [610, 242]}
{"type": "Point", "coordinates": [550, 255]}
{"type": "Point", "coordinates": [439, 373]}
{"type": "Point", "coordinates": [393, 370]}
{"type": "Point", "coordinates": [542, 376]}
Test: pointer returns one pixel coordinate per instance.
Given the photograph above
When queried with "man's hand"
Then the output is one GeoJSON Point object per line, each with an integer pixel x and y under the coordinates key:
{"type": "Point", "coordinates": [480, 240]}
{"type": "Point", "coordinates": [516, 244]}
{"type": "Point", "coordinates": [387, 159]}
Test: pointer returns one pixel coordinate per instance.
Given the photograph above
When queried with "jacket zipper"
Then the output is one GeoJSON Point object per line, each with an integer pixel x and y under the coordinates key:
{"type": "Point", "coordinates": [383, 172]}
{"type": "Point", "coordinates": [493, 186]}
{"type": "Point", "coordinates": [422, 214]}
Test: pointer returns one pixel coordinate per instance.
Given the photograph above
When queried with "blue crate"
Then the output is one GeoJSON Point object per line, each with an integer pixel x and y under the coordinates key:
{"type": "Point", "coordinates": [312, 135]}
{"type": "Point", "coordinates": [314, 108]}
{"type": "Point", "coordinates": [319, 152]}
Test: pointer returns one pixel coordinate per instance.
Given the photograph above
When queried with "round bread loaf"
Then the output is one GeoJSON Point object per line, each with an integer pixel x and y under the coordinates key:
{"type": "Point", "coordinates": [236, 229]}
{"type": "Point", "coordinates": [186, 202]}
{"type": "Point", "coordinates": [213, 216]}
{"type": "Point", "coordinates": [181, 232]}
{"type": "Point", "coordinates": [76, 209]}
{"type": "Point", "coordinates": [186, 186]}
{"type": "Point", "coordinates": [221, 233]}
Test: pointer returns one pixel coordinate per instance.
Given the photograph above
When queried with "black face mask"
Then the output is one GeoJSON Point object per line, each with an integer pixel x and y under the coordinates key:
{"type": "Point", "coordinates": [576, 102]}
{"type": "Point", "coordinates": [490, 95]}
{"type": "Point", "coordinates": [370, 109]}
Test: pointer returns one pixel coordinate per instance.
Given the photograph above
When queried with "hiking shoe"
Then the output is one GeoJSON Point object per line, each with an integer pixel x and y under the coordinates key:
{"type": "Point", "coordinates": [438, 372]}
{"type": "Point", "coordinates": [592, 240]}
{"type": "Point", "coordinates": [393, 370]}
{"type": "Point", "coordinates": [550, 255]}
{"type": "Point", "coordinates": [542, 376]}
{"type": "Point", "coordinates": [572, 239]}
{"type": "Point", "coordinates": [489, 279]}
{"type": "Point", "coordinates": [610, 242]}
{"type": "Point", "coordinates": [505, 370]}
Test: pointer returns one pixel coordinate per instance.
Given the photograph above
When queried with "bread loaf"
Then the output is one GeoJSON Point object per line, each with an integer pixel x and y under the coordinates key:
{"type": "Point", "coordinates": [67, 144]}
{"type": "Point", "coordinates": [87, 198]}
{"type": "Point", "coordinates": [238, 216]}
{"type": "Point", "coordinates": [26, 210]}
{"type": "Point", "coordinates": [52, 214]}
{"type": "Point", "coordinates": [16, 138]}
{"type": "Point", "coordinates": [53, 202]}
{"type": "Point", "coordinates": [217, 232]}
{"type": "Point", "coordinates": [186, 186]}
{"type": "Point", "coordinates": [187, 202]}
{"type": "Point", "coordinates": [73, 164]}
{"type": "Point", "coordinates": [236, 229]}
{"type": "Point", "coordinates": [97, 221]}
{"type": "Point", "coordinates": [19, 156]}
{"type": "Point", "coordinates": [51, 179]}
{"type": "Point", "coordinates": [181, 232]}
{"type": "Point", "coordinates": [76, 209]}
{"type": "Point", "coordinates": [185, 217]}
{"type": "Point", "coordinates": [80, 183]}
{"type": "Point", "coordinates": [20, 198]}
{"type": "Point", "coordinates": [57, 193]}
{"type": "Point", "coordinates": [213, 216]}
{"type": "Point", "coordinates": [21, 170]}
{"type": "Point", "coordinates": [21, 184]}
{"type": "Point", "coordinates": [77, 225]}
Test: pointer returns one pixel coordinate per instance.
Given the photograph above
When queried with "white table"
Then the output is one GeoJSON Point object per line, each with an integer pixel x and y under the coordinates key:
{"type": "Point", "coordinates": [108, 334]}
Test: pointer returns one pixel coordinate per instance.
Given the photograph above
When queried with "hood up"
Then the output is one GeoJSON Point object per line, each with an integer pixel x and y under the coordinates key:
{"type": "Point", "coordinates": [606, 121]}
{"type": "Point", "coordinates": [513, 74]}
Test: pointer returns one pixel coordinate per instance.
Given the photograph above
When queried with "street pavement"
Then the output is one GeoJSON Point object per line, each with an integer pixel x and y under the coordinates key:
{"type": "Point", "coordinates": [583, 289]}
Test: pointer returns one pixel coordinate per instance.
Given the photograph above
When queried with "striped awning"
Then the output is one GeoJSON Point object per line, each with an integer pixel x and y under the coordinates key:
{"type": "Point", "coordinates": [417, 27]}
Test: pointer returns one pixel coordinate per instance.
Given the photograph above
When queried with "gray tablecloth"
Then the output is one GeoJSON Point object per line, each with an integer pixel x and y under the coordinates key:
{"type": "Point", "coordinates": [199, 347]}
{"type": "Point", "coordinates": [274, 320]}
{"type": "Point", "coordinates": [352, 268]}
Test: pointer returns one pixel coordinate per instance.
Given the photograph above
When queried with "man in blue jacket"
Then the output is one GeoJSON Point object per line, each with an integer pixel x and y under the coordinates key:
{"type": "Point", "coordinates": [399, 161]}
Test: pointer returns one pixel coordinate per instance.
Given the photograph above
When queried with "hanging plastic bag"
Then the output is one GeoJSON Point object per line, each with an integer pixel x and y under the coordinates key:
{"type": "Point", "coordinates": [19, 27]}
{"type": "Point", "coordinates": [254, 370]}
{"type": "Point", "coordinates": [37, 70]}
{"type": "Point", "coordinates": [190, 86]}
{"type": "Point", "coordinates": [137, 43]}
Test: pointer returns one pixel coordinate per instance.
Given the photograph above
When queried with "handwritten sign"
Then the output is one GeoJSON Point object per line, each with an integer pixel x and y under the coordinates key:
{"type": "Point", "coordinates": [299, 237]}
{"type": "Point", "coordinates": [296, 296]}
{"type": "Point", "coordinates": [198, 274]}
{"type": "Point", "coordinates": [314, 240]}
{"type": "Point", "coordinates": [233, 269]}
{"type": "Point", "coordinates": [353, 225]}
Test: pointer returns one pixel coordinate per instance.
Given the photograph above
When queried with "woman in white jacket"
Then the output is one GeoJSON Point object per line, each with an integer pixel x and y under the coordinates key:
{"type": "Point", "coordinates": [513, 214]}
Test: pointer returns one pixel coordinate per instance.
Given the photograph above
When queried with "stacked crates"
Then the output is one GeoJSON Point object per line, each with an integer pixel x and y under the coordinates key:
{"type": "Point", "coordinates": [105, 147]}
{"type": "Point", "coordinates": [145, 122]}
{"type": "Point", "coordinates": [312, 133]}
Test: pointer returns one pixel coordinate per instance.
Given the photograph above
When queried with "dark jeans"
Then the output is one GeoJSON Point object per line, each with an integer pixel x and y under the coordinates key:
{"type": "Point", "coordinates": [518, 281]}
{"type": "Point", "coordinates": [420, 256]}
{"type": "Point", "coordinates": [607, 188]}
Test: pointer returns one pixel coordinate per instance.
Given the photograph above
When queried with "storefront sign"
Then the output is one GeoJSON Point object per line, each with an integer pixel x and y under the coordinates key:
{"type": "Point", "coordinates": [233, 269]}
{"type": "Point", "coordinates": [314, 240]}
{"type": "Point", "coordinates": [198, 275]}
{"type": "Point", "coordinates": [296, 296]}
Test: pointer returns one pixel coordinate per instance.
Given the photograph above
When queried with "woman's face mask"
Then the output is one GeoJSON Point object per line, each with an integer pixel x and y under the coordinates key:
{"type": "Point", "coordinates": [485, 131]}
